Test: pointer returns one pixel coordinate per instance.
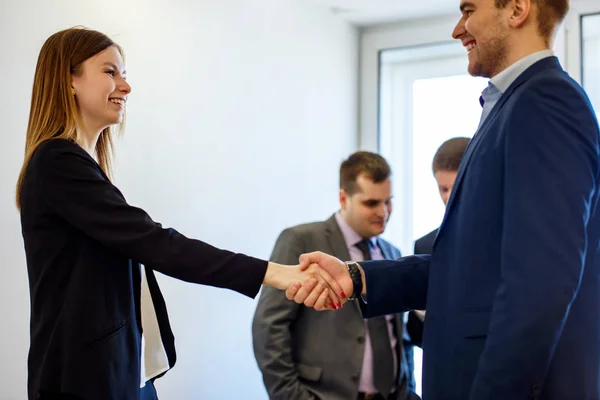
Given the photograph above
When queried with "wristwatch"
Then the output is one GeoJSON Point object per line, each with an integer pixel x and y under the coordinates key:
{"type": "Point", "coordinates": [356, 279]}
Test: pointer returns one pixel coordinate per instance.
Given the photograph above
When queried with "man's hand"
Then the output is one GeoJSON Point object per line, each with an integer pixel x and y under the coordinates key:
{"type": "Point", "coordinates": [336, 269]}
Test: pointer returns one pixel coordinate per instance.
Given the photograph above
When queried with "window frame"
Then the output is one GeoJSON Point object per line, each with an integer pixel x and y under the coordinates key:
{"type": "Point", "coordinates": [582, 15]}
{"type": "Point", "coordinates": [397, 148]}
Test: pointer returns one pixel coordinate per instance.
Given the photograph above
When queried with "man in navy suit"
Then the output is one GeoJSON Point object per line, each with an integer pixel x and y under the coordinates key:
{"type": "Point", "coordinates": [446, 161]}
{"type": "Point", "coordinates": [444, 166]}
{"type": "Point", "coordinates": [512, 288]}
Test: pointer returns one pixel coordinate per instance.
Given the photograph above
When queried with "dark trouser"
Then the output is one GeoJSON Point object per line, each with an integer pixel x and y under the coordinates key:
{"type": "Point", "coordinates": [412, 396]}
{"type": "Point", "coordinates": [393, 396]}
{"type": "Point", "coordinates": [148, 392]}
{"type": "Point", "coordinates": [364, 396]}
{"type": "Point", "coordinates": [57, 396]}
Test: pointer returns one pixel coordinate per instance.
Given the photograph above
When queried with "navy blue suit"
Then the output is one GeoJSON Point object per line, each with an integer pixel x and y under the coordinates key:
{"type": "Point", "coordinates": [512, 288]}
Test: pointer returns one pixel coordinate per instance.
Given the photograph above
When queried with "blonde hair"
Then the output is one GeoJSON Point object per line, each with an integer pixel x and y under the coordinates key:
{"type": "Point", "coordinates": [53, 113]}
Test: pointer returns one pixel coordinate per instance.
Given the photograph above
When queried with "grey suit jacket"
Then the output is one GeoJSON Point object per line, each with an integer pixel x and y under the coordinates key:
{"type": "Point", "coordinates": [305, 354]}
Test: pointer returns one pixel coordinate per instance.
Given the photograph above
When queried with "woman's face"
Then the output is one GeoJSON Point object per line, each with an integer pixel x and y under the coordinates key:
{"type": "Point", "coordinates": [100, 89]}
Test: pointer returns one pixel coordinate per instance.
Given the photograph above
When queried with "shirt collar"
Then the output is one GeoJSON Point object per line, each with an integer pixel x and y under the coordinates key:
{"type": "Point", "coordinates": [350, 236]}
{"type": "Point", "coordinates": [505, 78]}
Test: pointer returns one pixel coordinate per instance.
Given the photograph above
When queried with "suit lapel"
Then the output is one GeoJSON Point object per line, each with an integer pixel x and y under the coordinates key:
{"type": "Point", "coordinates": [337, 243]}
{"type": "Point", "coordinates": [388, 254]}
{"type": "Point", "coordinates": [542, 65]}
{"type": "Point", "coordinates": [385, 250]}
{"type": "Point", "coordinates": [336, 239]}
{"type": "Point", "coordinates": [402, 361]}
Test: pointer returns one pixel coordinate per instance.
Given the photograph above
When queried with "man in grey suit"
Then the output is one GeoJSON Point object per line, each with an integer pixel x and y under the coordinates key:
{"type": "Point", "coordinates": [305, 354]}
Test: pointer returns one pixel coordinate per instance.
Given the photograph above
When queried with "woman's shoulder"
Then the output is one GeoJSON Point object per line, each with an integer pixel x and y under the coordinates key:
{"type": "Point", "coordinates": [50, 150]}
{"type": "Point", "coordinates": [57, 145]}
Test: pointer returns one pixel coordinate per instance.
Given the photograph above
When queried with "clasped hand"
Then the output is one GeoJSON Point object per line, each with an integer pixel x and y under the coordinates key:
{"type": "Point", "coordinates": [327, 283]}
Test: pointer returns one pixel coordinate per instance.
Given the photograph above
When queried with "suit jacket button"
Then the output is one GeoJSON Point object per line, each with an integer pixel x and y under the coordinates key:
{"type": "Point", "coordinates": [360, 339]}
{"type": "Point", "coordinates": [354, 378]}
{"type": "Point", "coordinates": [536, 391]}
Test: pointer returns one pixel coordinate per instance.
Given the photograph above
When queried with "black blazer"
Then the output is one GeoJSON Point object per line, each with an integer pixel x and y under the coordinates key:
{"type": "Point", "coordinates": [84, 245]}
{"type": "Point", "coordinates": [414, 325]}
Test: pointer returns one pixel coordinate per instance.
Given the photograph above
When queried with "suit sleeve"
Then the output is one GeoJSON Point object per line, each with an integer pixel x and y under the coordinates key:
{"type": "Point", "coordinates": [551, 167]}
{"type": "Point", "coordinates": [272, 328]}
{"type": "Point", "coordinates": [395, 286]}
{"type": "Point", "coordinates": [74, 188]}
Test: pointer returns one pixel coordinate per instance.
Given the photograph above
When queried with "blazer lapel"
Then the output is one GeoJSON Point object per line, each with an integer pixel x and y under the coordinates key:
{"type": "Point", "coordinates": [542, 65]}
{"type": "Point", "coordinates": [337, 243]}
{"type": "Point", "coordinates": [336, 239]}
{"type": "Point", "coordinates": [402, 361]}
{"type": "Point", "coordinates": [385, 250]}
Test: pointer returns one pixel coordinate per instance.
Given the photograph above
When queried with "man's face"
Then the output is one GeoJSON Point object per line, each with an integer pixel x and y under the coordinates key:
{"type": "Point", "coordinates": [368, 209]}
{"type": "Point", "coordinates": [483, 30]}
{"type": "Point", "coordinates": [445, 181]}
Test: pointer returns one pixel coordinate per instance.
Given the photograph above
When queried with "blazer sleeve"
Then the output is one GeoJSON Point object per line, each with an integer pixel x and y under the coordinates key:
{"type": "Point", "coordinates": [395, 286]}
{"type": "Point", "coordinates": [272, 328]}
{"type": "Point", "coordinates": [75, 188]}
{"type": "Point", "coordinates": [551, 167]}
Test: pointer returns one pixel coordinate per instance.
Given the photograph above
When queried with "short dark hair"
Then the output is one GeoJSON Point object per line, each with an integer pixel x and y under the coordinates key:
{"type": "Point", "coordinates": [449, 154]}
{"type": "Point", "coordinates": [363, 162]}
{"type": "Point", "coordinates": [550, 13]}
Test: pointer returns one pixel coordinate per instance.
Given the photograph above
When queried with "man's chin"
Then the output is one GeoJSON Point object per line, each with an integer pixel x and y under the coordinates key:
{"type": "Point", "coordinates": [473, 70]}
{"type": "Point", "coordinates": [376, 231]}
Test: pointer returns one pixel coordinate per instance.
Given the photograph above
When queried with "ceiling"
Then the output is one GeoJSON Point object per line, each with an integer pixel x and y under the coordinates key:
{"type": "Point", "coordinates": [371, 12]}
{"type": "Point", "coordinates": [374, 12]}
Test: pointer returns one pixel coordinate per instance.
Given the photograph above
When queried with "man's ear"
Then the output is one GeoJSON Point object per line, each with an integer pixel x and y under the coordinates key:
{"type": "Point", "coordinates": [343, 199]}
{"type": "Point", "coordinates": [521, 11]}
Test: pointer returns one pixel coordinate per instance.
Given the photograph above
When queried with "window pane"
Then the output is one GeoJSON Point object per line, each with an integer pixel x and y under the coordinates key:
{"type": "Point", "coordinates": [590, 45]}
{"type": "Point", "coordinates": [443, 108]}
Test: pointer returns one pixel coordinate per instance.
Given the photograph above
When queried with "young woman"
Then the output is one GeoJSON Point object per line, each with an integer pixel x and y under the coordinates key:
{"type": "Point", "coordinates": [99, 325]}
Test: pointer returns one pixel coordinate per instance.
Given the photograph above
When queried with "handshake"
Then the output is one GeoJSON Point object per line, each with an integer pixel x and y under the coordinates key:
{"type": "Point", "coordinates": [320, 281]}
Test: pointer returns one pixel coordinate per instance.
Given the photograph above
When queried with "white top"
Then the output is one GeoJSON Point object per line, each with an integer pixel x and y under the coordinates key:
{"type": "Point", "coordinates": [154, 360]}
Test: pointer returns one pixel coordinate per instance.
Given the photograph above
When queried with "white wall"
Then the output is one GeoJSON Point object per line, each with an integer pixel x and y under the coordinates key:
{"type": "Point", "coordinates": [240, 114]}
